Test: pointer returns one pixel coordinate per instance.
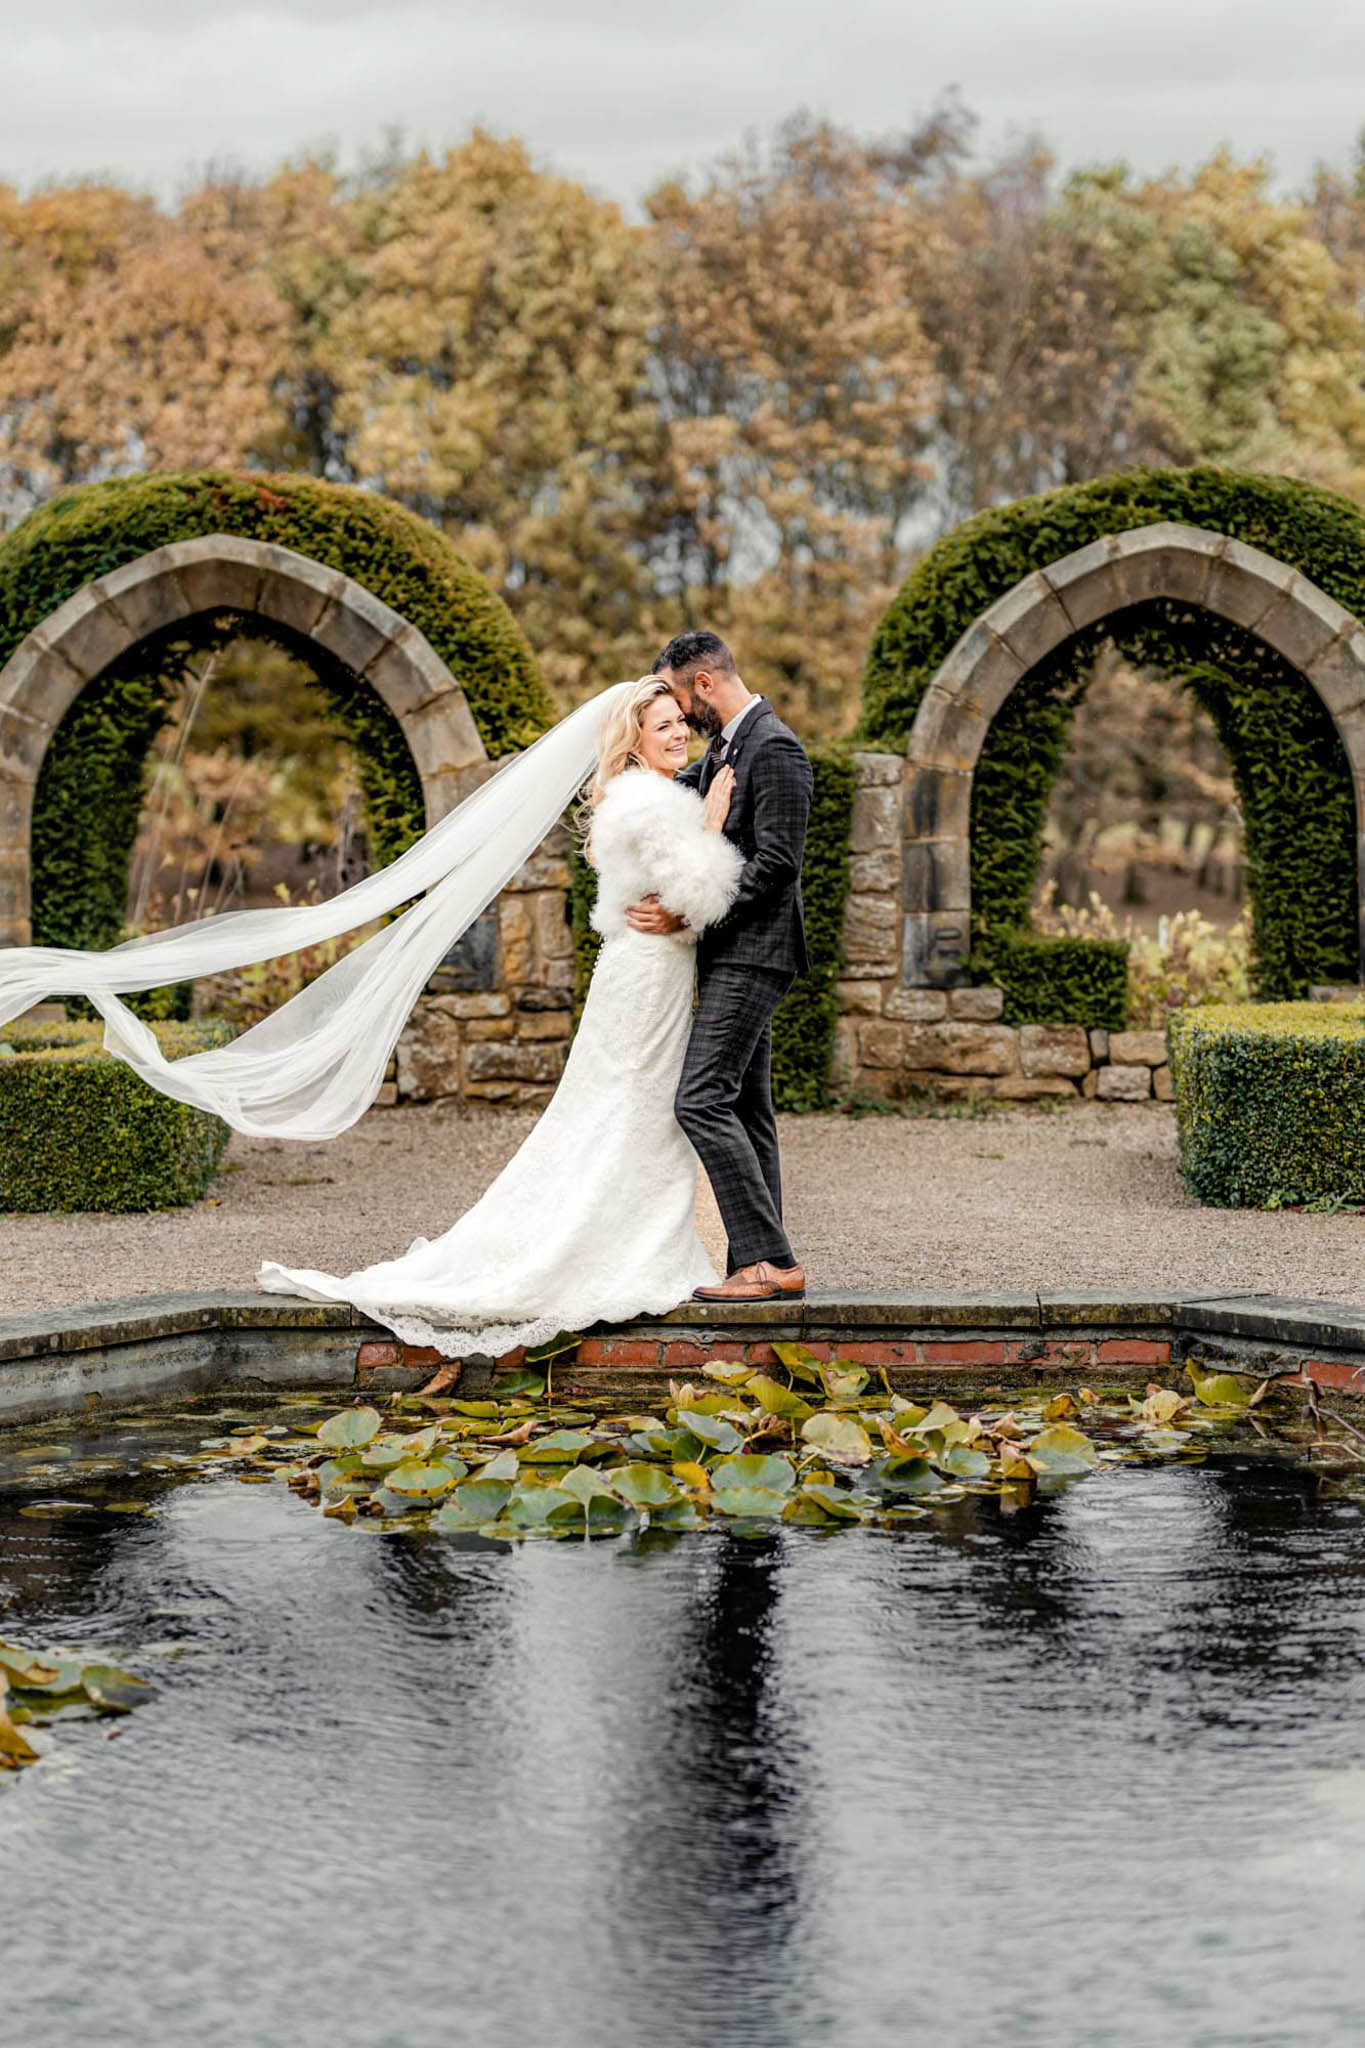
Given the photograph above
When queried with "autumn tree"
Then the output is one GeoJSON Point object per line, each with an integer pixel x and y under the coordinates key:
{"type": "Point", "coordinates": [130, 339]}
{"type": "Point", "coordinates": [797, 390]}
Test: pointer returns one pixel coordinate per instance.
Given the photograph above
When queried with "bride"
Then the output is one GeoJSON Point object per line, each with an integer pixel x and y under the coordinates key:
{"type": "Point", "coordinates": [594, 1219]}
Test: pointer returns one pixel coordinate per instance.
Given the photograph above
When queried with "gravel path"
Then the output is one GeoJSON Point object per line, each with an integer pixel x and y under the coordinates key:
{"type": "Point", "coordinates": [1087, 1198]}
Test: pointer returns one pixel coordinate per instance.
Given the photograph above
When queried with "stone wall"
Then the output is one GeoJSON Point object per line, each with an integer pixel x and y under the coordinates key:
{"type": "Point", "coordinates": [495, 1021]}
{"type": "Point", "coordinates": [898, 1042]}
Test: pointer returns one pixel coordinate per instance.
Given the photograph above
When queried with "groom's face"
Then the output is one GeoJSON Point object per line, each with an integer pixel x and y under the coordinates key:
{"type": "Point", "coordinates": [696, 706]}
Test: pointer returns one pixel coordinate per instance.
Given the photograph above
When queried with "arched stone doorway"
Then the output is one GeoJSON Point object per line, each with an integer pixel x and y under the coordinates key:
{"type": "Point", "coordinates": [1166, 560]}
{"type": "Point", "coordinates": [219, 572]}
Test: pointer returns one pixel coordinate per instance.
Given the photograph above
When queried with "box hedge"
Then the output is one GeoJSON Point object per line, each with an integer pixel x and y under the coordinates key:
{"type": "Point", "coordinates": [1270, 1103]}
{"type": "Point", "coordinates": [79, 1130]}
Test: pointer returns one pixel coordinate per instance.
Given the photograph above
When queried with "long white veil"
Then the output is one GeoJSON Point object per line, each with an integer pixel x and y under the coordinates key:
{"type": "Point", "coordinates": [314, 1065]}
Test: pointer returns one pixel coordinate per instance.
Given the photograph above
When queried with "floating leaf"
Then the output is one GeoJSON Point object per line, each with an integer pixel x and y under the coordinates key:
{"type": "Point", "coordinates": [644, 1486]}
{"type": "Point", "coordinates": [1059, 1406]}
{"type": "Point", "coordinates": [692, 1474]}
{"type": "Point", "coordinates": [505, 1466]}
{"type": "Point", "coordinates": [350, 1429]}
{"type": "Point", "coordinates": [839, 1507]}
{"type": "Point", "coordinates": [472, 1504]}
{"type": "Point", "coordinates": [843, 1382]}
{"type": "Point", "coordinates": [1061, 1449]}
{"type": "Point", "coordinates": [747, 1500]}
{"type": "Point", "coordinates": [729, 1373]}
{"type": "Point", "coordinates": [24, 1668]}
{"type": "Point", "coordinates": [910, 1475]}
{"type": "Point", "coordinates": [414, 1478]}
{"type": "Point", "coordinates": [773, 1474]}
{"type": "Point", "coordinates": [803, 1365]}
{"type": "Point", "coordinates": [1217, 1389]}
{"type": "Point", "coordinates": [964, 1463]}
{"type": "Point", "coordinates": [842, 1439]}
{"type": "Point", "coordinates": [714, 1431]}
{"type": "Point", "coordinates": [1163, 1405]}
{"type": "Point", "coordinates": [513, 1384]}
{"type": "Point", "coordinates": [775, 1399]}
{"type": "Point", "coordinates": [382, 1455]}
{"type": "Point", "coordinates": [560, 1447]}
{"type": "Point", "coordinates": [936, 1418]}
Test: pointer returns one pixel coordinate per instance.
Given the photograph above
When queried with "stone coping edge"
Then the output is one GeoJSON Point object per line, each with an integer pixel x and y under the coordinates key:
{"type": "Point", "coordinates": [1261, 1318]}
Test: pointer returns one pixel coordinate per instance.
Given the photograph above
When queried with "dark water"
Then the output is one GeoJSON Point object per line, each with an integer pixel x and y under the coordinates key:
{"type": "Point", "coordinates": [1089, 1774]}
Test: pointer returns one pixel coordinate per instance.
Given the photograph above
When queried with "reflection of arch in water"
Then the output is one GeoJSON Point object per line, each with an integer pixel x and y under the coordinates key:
{"type": "Point", "coordinates": [320, 613]}
{"type": "Point", "coordinates": [1164, 562]}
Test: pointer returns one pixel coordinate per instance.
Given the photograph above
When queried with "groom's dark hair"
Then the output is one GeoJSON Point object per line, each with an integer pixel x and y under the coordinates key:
{"type": "Point", "coordinates": [687, 651]}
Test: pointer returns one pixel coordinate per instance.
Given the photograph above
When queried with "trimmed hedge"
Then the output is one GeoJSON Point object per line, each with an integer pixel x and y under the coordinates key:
{"type": "Point", "coordinates": [1292, 777]}
{"type": "Point", "coordinates": [803, 1028]}
{"type": "Point", "coordinates": [79, 1130]}
{"type": "Point", "coordinates": [1270, 1103]}
{"type": "Point", "coordinates": [90, 788]}
{"type": "Point", "coordinates": [1047, 980]}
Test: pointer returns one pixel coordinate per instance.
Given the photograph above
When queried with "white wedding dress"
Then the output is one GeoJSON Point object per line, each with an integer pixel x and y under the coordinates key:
{"type": "Point", "coordinates": [594, 1219]}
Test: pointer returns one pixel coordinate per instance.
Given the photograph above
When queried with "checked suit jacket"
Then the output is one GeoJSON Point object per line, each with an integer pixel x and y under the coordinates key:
{"type": "Point", "coordinates": [765, 926]}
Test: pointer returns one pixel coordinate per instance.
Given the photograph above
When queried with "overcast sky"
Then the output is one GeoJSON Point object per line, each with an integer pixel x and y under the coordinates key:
{"type": "Point", "coordinates": [620, 92]}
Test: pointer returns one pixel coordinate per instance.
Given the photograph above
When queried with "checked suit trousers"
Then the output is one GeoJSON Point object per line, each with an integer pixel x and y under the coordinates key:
{"type": "Point", "coordinates": [725, 1105]}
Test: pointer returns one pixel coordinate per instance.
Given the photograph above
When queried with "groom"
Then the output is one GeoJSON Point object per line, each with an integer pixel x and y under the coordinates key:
{"type": "Point", "coordinates": [745, 963]}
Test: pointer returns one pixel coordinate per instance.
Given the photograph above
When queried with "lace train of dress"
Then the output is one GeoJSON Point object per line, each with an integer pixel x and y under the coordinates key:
{"type": "Point", "coordinates": [594, 1219]}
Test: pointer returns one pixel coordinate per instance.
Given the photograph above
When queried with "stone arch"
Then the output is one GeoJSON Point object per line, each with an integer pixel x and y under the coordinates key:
{"type": "Point", "coordinates": [1165, 560]}
{"type": "Point", "coordinates": [219, 572]}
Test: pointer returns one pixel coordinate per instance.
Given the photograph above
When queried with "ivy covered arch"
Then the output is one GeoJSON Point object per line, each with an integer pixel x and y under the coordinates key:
{"type": "Point", "coordinates": [1250, 588]}
{"type": "Point", "coordinates": [108, 588]}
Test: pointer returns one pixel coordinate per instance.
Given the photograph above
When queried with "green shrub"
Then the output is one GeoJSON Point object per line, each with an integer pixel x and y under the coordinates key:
{"type": "Point", "coordinates": [1049, 980]}
{"type": "Point", "coordinates": [1292, 776]}
{"type": "Point", "coordinates": [803, 1028]}
{"type": "Point", "coordinates": [90, 787]}
{"type": "Point", "coordinates": [1270, 1103]}
{"type": "Point", "coordinates": [79, 1130]}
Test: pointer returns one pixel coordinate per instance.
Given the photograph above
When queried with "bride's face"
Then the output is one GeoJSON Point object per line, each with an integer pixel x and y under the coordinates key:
{"type": "Point", "coordinates": [663, 737]}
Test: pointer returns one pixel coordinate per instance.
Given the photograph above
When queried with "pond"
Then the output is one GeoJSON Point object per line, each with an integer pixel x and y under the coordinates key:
{"type": "Point", "coordinates": [1087, 1773]}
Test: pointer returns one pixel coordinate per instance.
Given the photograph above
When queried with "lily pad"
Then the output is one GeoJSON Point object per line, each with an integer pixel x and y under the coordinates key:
{"type": "Point", "coordinates": [644, 1486]}
{"type": "Point", "coordinates": [713, 1431]}
{"type": "Point", "coordinates": [352, 1428]}
{"type": "Point", "coordinates": [560, 1447]}
{"type": "Point", "coordinates": [776, 1399]}
{"type": "Point", "coordinates": [1219, 1389]}
{"type": "Point", "coordinates": [418, 1480]}
{"type": "Point", "coordinates": [842, 1439]}
{"type": "Point", "coordinates": [773, 1474]}
{"type": "Point", "coordinates": [744, 1501]}
{"type": "Point", "coordinates": [471, 1505]}
{"type": "Point", "coordinates": [1062, 1450]}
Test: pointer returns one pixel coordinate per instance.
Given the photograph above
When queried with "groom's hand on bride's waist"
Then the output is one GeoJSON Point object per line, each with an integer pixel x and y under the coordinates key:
{"type": "Point", "coordinates": [649, 915]}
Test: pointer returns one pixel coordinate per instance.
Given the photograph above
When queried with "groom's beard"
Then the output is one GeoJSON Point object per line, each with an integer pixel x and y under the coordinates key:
{"type": "Point", "coordinates": [705, 720]}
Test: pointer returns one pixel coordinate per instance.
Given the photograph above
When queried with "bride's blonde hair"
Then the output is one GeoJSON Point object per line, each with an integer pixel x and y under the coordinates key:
{"type": "Point", "coordinates": [618, 743]}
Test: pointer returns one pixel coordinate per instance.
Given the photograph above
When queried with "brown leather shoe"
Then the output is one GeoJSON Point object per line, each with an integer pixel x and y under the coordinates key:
{"type": "Point", "coordinates": [762, 1282]}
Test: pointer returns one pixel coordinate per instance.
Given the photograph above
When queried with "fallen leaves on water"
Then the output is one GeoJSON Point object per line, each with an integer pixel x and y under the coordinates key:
{"type": "Point", "coordinates": [39, 1687]}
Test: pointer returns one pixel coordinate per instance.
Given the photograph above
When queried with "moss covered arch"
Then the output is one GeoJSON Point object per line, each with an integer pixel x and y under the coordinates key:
{"type": "Point", "coordinates": [1250, 587]}
{"type": "Point", "coordinates": [103, 588]}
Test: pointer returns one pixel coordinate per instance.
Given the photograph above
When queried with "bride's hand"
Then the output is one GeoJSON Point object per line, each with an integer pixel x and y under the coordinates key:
{"type": "Point", "coordinates": [718, 799]}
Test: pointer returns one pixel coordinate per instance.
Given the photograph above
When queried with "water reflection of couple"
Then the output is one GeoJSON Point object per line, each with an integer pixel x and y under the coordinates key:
{"type": "Point", "coordinates": [699, 877]}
